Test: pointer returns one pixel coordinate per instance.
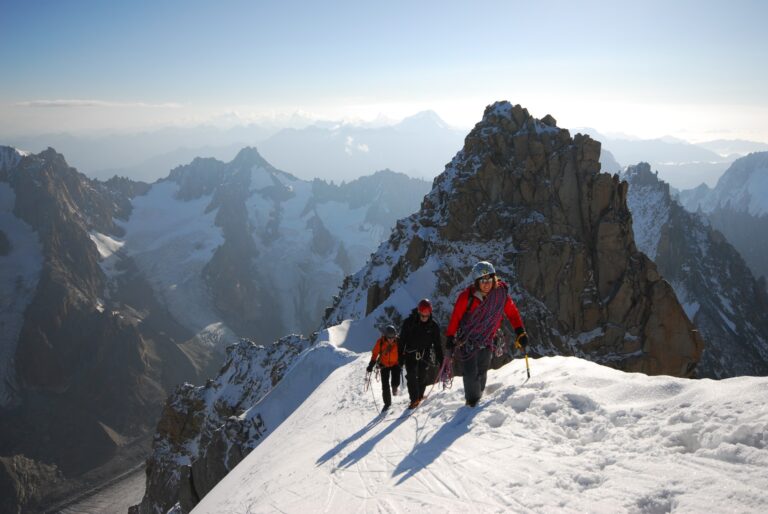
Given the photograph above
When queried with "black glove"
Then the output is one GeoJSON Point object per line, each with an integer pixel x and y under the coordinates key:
{"type": "Point", "coordinates": [450, 342]}
{"type": "Point", "coordinates": [522, 337]}
{"type": "Point", "coordinates": [370, 367]}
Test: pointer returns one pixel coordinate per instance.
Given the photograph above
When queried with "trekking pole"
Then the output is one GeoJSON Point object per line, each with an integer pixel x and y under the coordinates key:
{"type": "Point", "coordinates": [368, 386]}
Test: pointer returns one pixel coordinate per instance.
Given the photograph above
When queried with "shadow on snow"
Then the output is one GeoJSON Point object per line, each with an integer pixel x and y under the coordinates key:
{"type": "Point", "coordinates": [343, 444]}
{"type": "Point", "coordinates": [425, 452]}
{"type": "Point", "coordinates": [365, 448]}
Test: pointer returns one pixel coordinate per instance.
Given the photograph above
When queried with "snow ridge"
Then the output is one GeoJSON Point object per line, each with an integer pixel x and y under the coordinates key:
{"type": "Point", "coordinates": [576, 437]}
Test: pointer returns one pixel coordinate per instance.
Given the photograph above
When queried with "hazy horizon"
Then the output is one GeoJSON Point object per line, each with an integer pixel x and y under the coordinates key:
{"type": "Point", "coordinates": [692, 70]}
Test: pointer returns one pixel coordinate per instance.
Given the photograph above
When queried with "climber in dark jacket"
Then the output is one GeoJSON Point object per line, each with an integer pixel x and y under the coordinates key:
{"type": "Point", "coordinates": [420, 349]}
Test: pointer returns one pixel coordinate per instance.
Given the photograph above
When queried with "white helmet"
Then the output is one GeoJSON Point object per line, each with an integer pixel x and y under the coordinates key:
{"type": "Point", "coordinates": [481, 269]}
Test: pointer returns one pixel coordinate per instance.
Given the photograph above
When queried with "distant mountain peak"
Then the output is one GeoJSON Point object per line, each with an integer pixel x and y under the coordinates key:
{"type": "Point", "coordinates": [423, 118]}
{"type": "Point", "coordinates": [250, 156]}
{"type": "Point", "coordinates": [10, 157]}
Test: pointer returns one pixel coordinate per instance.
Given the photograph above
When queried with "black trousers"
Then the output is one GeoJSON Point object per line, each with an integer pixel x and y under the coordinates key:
{"type": "Point", "coordinates": [475, 373]}
{"type": "Point", "coordinates": [389, 375]}
{"type": "Point", "coordinates": [416, 376]}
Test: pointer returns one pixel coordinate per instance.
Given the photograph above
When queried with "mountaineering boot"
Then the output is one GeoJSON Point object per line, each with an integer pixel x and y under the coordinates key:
{"type": "Point", "coordinates": [384, 409]}
{"type": "Point", "coordinates": [394, 391]}
{"type": "Point", "coordinates": [414, 404]}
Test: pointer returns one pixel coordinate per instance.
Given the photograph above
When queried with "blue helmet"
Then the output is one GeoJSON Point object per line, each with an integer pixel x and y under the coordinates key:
{"type": "Point", "coordinates": [481, 269]}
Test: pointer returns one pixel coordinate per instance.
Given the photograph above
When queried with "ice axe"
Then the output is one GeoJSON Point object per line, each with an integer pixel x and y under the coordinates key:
{"type": "Point", "coordinates": [520, 347]}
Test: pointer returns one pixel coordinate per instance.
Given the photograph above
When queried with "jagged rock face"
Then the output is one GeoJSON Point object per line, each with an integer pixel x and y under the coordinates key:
{"type": "Point", "coordinates": [718, 292]}
{"type": "Point", "coordinates": [205, 431]}
{"type": "Point", "coordinates": [525, 195]}
{"type": "Point", "coordinates": [58, 203]}
{"type": "Point", "coordinates": [91, 370]}
{"type": "Point", "coordinates": [23, 482]}
{"type": "Point", "coordinates": [738, 207]}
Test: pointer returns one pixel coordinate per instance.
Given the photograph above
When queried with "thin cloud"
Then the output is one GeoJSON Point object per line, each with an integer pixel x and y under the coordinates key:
{"type": "Point", "coordinates": [96, 103]}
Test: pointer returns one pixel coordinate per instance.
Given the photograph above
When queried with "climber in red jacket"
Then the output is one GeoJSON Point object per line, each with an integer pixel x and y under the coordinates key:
{"type": "Point", "coordinates": [474, 322]}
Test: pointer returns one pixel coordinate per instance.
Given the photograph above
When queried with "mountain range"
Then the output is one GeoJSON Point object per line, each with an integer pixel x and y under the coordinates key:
{"type": "Point", "coordinates": [333, 150]}
{"type": "Point", "coordinates": [526, 195]}
{"type": "Point", "coordinates": [115, 292]}
{"type": "Point", "coordinates": [419, 146]}
{"type": "Point", "coordinates": [738, 207]}
{"type": "Point", "coordinates": [682, 164]}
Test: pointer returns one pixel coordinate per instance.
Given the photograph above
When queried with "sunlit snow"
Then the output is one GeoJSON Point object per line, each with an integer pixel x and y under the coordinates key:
{"type": "Point", "coordinates": [576, 437]}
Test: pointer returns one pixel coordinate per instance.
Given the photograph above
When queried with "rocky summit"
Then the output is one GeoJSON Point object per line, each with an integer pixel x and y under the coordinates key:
{"type": "Point", "coordinates": [527, 196]}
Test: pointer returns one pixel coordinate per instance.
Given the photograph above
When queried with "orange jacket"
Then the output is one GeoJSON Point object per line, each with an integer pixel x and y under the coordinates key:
{"type": "Point", "coordinates": [388, 351]}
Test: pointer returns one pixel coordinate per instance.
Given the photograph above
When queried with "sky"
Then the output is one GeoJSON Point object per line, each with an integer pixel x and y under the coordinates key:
{"type": "Point", "coordinates": [690, 69]}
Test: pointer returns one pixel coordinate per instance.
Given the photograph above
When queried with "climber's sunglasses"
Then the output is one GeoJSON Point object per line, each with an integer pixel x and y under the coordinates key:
{"type": "Point", "coordinates": [486, 279]}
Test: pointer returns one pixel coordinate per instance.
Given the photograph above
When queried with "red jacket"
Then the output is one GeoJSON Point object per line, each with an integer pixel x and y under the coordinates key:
{"type": "Point", "coordinates": [510, 310]}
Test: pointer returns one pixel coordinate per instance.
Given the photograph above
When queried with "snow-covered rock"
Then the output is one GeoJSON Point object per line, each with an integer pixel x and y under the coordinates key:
{"type": "Point", "coordinates": [727, 305]}
{"type": "Point", "coordinates": [206, 431]}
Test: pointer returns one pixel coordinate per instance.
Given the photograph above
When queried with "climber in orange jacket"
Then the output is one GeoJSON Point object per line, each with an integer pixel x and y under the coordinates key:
{"type": "Point", "coordinates": [386, 356]}
{"type": "Point", "coordinates": [476, 318]}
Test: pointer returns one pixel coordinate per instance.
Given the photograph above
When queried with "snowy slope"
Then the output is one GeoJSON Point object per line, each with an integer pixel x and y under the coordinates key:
{"type": "Point", "coordinates": [289, 262]}
{"type": "Point", "coordinates": [20, 267]}
{"type": "Point", "coordinates": [171, 240]}
{"type": "Point", "coordinates": [576, 437]}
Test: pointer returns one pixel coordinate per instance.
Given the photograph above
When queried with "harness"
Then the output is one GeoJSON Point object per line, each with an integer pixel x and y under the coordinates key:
{"type": "Point", "coordinates": [418, 354]}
